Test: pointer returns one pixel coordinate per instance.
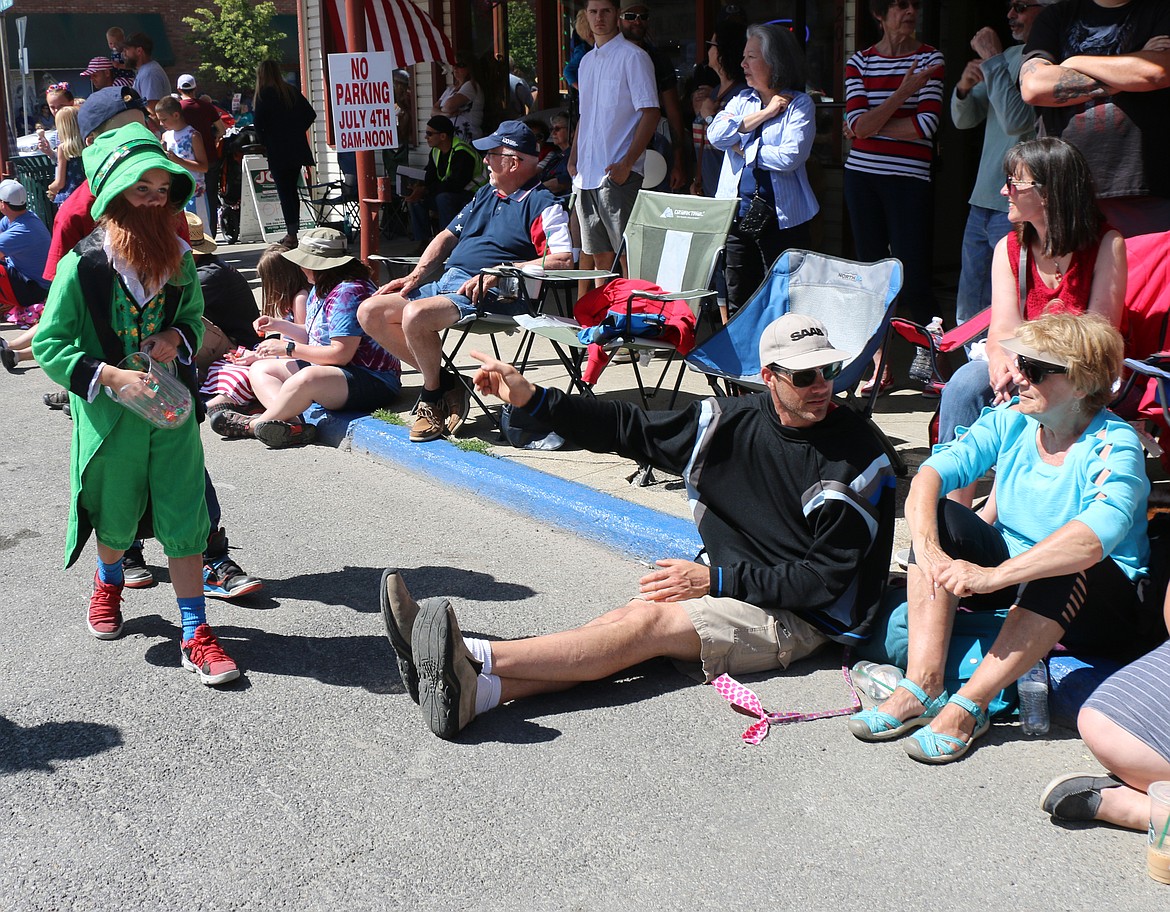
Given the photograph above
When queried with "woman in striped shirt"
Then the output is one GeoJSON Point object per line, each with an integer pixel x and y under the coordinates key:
{"type": "Point", "coordinates": [893, 98]}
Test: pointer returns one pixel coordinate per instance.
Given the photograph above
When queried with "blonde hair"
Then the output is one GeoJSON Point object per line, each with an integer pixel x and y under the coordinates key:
{"type": "Point", "coordinates": [68, 133]}
{"type": "Point", "coordinates": [1092, 349]}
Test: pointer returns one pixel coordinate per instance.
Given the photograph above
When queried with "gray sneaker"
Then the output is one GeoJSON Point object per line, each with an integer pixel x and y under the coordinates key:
{"type": "Point", "coordinates": [1075, 796]}
{"type": "Point", "coordinates": [137, 574]}
{"type": "Point", "coordinates": [447, 672]}
{"type": "Point", "coordinates": [399, 611]}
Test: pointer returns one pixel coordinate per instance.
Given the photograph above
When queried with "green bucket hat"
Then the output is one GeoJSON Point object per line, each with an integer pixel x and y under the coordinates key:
{"type": "Point", "coordinates": [117, 159]}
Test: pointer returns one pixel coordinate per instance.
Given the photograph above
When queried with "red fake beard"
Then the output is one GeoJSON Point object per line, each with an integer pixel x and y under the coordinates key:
{"type": "Point", "coordinates": [144, 236]}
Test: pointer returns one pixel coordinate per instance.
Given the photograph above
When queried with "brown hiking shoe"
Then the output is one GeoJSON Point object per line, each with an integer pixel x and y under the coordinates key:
{"type": "Point", "coordinates": [430, 421]}
{"type": "Point", "coordinates": [227, 422]}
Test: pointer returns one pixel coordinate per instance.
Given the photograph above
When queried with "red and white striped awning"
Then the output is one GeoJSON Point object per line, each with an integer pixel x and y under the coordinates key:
{"type": "Point", "coordinates": [398, 26]}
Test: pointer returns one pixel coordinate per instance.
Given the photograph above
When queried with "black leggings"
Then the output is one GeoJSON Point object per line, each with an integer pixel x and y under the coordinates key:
{"type": "Point", "coordinates": [290, 202]}
{"type": "Point", "coordinates": [750, 261]}
{"type": "Point", "coordinates": [1100, 609]}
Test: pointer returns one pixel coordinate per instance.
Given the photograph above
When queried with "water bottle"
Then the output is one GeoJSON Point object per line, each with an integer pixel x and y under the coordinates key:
{"type": "Point", "coordinates": [921, 370]}
{"type": "Point", "coordinates": [876, 681]}
{"type": "Point", "coordinates": [1033, 688]}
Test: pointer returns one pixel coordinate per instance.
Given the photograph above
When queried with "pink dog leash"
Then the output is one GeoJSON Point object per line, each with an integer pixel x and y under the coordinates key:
{"type": "Point", "coordinates": [744, 700]}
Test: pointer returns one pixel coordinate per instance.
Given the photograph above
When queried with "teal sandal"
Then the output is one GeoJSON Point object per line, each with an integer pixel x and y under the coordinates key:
{"type": "Point", "coordinates": [927, 746]}
{"type": "Point", "coordinates": [875, 725]}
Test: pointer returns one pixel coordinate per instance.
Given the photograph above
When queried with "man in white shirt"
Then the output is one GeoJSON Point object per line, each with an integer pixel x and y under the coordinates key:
{"type": "Point", "coordinates": [619, 112]}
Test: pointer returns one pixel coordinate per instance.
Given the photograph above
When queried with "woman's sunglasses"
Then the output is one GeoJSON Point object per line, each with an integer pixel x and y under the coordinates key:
{"type": "Point", "coordinates": [1035, 371]}
{"type": "Point", "coordinates": [805, 378]}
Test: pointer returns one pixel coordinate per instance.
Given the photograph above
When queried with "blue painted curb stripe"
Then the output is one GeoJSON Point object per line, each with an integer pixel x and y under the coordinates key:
{"type": "Point", "coordinates": [629, 528]}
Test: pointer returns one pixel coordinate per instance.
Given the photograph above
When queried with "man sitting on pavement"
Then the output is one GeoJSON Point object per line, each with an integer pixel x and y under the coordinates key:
{"type": "Point", "coordinates": [24, 247]}
{"type": "Point", "coordinates": [511, 220]}
{"type": "Point", "coordinates": [793, 498]}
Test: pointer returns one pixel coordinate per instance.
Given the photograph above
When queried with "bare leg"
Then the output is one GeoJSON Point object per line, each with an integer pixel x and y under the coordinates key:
{"type": "Point", "coordinates": [641, 631]}
{"type": "Point", "coordinates": [108, 555]}
{"type": "Point", "coordinates": [381, 317]}
{"type": "Point", "coordinates": [316, 383]}
{"type": "Point", "coordinates": [584, 261]}
{"type": "Point", "coordinates": [187, 575]}
{"type": "Point", "coordinates": [931, 614]}
{"type": "Point", "coordinates": [268, 376]}
{"type": "Point", "coordinates": [603, 261]}
{"type": "Point", "coordinates": [1025, 638]}
{"type": "Point", "coordinates": [1128, 758]}
{"type": "Point", "coordinates": [422, 322]}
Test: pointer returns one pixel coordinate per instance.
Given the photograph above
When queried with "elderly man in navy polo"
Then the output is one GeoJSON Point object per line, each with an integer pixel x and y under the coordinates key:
{"type": "Point", "coordinates": [513, 219]}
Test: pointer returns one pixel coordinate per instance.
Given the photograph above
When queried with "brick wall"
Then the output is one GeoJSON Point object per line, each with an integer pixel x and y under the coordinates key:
{"type": "Point", "coordinates": [187, 55]}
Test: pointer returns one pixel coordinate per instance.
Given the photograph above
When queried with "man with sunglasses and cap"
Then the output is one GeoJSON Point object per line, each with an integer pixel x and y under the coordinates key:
{"type": "Point", "coordinates": [793, 497]}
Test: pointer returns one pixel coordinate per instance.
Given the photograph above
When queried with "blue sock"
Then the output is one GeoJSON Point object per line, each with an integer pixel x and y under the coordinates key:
{"type": "Point", "coordinates": [111, 573]}
{"type": "Point", "coordinates": [193, 614]}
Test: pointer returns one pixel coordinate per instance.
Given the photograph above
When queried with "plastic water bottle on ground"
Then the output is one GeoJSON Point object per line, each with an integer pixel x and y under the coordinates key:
{"type": "Point", "coordinates": [876, 681]}
{"type": "Point", "coordinates": [921, 370]}
{"type": "Point", "coordinates": [1033, 688]}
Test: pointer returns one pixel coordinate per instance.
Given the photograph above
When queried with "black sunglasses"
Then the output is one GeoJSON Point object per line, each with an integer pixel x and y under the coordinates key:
{"type": "Point", "coordinates": [804, 378]}
{"type": "Point", "coordinates": [636, 17]}
{"type": "Point", "coordinates": [1019, 8]}
{"type": "Point", "coordinates": [1035, 371]}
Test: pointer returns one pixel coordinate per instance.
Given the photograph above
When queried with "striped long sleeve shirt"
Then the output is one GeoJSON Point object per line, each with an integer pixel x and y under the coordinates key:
{"type": "Point", "coordinates": [869, 80]}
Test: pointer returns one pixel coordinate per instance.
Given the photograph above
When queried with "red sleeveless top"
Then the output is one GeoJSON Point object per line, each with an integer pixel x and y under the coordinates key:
{"type": "Point", "coordinates": [1071, 295]}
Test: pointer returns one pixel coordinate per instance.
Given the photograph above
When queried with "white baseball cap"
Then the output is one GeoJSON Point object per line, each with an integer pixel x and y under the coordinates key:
{"type": "Point", "coordinates": [798, 342]}
{"type": "Point", "coordinates": [186, 82]}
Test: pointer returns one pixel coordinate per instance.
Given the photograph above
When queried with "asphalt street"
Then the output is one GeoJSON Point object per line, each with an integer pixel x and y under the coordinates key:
{"type": "Point", "coordinates": [312, 783]}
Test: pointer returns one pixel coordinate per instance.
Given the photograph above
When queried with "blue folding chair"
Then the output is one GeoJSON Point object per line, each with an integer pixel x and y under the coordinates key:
{"type": "Point", "coordinates": [854, 300]}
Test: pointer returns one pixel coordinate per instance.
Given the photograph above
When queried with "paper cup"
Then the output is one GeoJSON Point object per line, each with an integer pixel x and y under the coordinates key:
{"type": "Point", "coordinates": [1158, 844]}
{"type": "Point", "coordinates": [160, 397]}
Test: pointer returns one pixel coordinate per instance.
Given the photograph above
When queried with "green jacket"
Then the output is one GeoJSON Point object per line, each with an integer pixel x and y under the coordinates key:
{"type": "Point", "coordinates": [75, 335]}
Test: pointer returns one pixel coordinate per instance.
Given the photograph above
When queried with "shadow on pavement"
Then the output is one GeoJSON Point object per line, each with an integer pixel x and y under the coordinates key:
{"type": "Point", "coordinates": [42, 746]}
{"type": "Point", "coordinates": [357, 587]}
{"type": "Point", "coordinates": [514, 723]}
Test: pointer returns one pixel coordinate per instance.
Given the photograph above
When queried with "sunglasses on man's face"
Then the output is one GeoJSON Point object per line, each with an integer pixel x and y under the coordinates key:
{"type": "Point", "coordinates": [805, 378]}
{"type": "Point", "coordinates": [1020, 8]}
{"type": "Point", "coordinates": [1035, 371]}
{"type": "Point", "coordinates": [636, 17]}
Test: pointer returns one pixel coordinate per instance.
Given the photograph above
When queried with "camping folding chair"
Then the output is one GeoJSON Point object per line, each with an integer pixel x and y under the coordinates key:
{"type": "Point", "coordinates": [672, 241]}
{"type": "Point", "coordinates": [854, 300]}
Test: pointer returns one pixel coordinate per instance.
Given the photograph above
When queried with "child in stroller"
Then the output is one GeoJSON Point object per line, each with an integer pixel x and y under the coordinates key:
{"type": "Point", "coordinates": [236, 143]}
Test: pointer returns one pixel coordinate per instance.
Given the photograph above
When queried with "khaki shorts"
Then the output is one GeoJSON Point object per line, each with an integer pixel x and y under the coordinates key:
{"type": "Point", "coordinates": [603, 213]}
{"type": "Point", "coordinates": [739, 638]}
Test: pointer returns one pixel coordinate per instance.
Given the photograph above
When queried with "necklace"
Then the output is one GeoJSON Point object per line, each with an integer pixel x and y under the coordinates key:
{"type": "Point", "coordinates": [1057, 270]}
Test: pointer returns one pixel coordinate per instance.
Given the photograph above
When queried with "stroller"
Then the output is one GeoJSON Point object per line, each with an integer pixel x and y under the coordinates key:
{"type": "Point", "coordinates": [235, 144]}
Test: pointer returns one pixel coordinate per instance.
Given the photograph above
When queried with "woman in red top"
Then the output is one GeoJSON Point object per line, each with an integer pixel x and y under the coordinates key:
{"type": "Point", "coordinates": [1073, 263]}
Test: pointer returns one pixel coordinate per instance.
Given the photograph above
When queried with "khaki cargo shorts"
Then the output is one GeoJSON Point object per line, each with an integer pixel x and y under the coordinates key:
{"type": "Point", "coordinates": [739, 638]}
{"type": "Point", "coordinates": [603, 213]}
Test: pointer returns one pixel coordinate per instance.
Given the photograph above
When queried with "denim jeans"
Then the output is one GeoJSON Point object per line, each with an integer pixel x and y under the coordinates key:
{"type": "Point", "coordinates": [964, 397]}
{"type": "Point", "coordinates": [985, 228]}
{"type": "Point", "coordinates": [446, 204]}
{"type": "Point", "coordinates": [893, 215]}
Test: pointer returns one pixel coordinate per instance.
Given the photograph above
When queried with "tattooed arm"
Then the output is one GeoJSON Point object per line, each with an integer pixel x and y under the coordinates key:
{"type": "Point", "coordinates": [1045, 84]}
{"type": "Point", "coordinates": [1082, 78]}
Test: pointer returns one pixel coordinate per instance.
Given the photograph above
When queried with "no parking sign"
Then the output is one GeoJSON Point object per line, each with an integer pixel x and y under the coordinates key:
{"type": "Point", "coordinates": [361, 90]}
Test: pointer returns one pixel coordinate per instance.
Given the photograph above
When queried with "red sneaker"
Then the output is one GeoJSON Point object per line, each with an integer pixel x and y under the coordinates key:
{"type": "Point", "coordinates": [203, 655]}
{"type": "Point", "coordinates": [105, 610]}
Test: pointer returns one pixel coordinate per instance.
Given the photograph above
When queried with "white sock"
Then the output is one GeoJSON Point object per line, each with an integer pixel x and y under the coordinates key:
{"type": "Point", "coordinates": [487, 693]}
{"type": "Point", "coordinates": [481, 651]}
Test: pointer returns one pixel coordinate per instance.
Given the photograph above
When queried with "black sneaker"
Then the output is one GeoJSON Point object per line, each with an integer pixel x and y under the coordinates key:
{"type": "Point", "coordinates": [223, 579]}
{"type": "Point", "coordinates": [57, 399]}
{"type": "Point", "coordinates": [8, 357]}
{"type": "Point", "coordinates": [138, 575]}
{"type": "Point", "coordinates": [227, 422]}
{"type": "Point", "coordinates": [276, 435]}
